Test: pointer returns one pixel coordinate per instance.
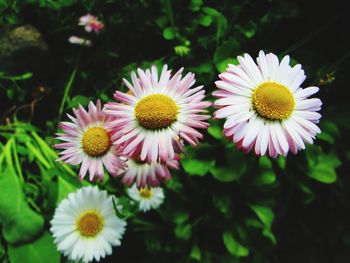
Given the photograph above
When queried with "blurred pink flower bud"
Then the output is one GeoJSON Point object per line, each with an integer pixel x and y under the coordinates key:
{"type": "Point", "coordinates": [91, 23]}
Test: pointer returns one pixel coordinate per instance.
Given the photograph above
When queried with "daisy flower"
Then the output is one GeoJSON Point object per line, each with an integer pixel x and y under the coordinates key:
{"type": "Point", "coordinates": [88, 141]}
{"type": "Point", "coordinates": [265, 108]}
{"type": "Point", "coordinates": [85, 226]}
{"type": "Point", "coordinates": [148, 198]}
{"type": "Point", "coordinates": [147, 174]}
{"type": "Point", "coordinates": [157, 114]}
{"type": "Point", "coordinates": [91, 23]}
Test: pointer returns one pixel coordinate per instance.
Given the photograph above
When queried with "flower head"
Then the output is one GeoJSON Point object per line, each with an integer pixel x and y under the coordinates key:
{"type": "Point", "coordinates": [158, 114]}
{"type": "Point", "coordinates": [85, 226]}
{"type": "Point", "coordinates": [148, 174]}
{"type": "Point", "coordinates": [148, 198]}
{"type": "Point", "coordinates": [79, 41]}
{"type": "Point", "coordinates": [91, 23]}
{"type": "Point", "coordinates": [88, 140]}
{"type": "Point", "coordinates": [265, 108]}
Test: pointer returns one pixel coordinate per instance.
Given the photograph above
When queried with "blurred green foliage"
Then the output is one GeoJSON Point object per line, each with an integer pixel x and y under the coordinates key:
{"type": "Point", "coordinates": [223, 205]}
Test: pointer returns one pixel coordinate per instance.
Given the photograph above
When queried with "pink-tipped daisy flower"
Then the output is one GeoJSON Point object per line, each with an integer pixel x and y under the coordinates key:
{"type": "Point", "coordinates": [157, 114]}
{"type": "Point", "coordinates": [148, 174]}
{"type": "Point", "coordinates": [91, 23]}
{"type": "Point", "coordinates": [265, 108]}
{"type": "Point", "coordinates": [88, 141]}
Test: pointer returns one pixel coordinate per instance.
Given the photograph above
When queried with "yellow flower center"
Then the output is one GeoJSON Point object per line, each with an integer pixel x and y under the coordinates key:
{"type": "Point", "coordinates": [145, 192]}
{"type": "Point", "coordinates": [89, 224]}
{"type": "Point", "coordinates": [96, 141]}
{"type": "Point", "coordinates": [156, 111]}
{"type": "Point", "coordinates": [273, 101]}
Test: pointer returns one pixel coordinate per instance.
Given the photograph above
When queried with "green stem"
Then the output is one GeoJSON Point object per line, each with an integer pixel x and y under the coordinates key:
{"type": "Point", "coordinates": [170, 13]}
{"type": "Point", "coordinates": [67, 90]}
{"type": "Point", "coordinates": [17, 163]}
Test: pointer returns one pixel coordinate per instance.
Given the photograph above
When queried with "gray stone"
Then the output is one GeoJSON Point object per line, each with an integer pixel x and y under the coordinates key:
{"type": "Point", "coordinates": [22, 48]}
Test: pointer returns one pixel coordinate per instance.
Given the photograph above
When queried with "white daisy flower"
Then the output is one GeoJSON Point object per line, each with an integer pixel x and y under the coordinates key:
{"type": "Point", "coordinates": [158, 114]}
{"type": "Point", "coordinates": [85, 226]}
{"type": "Point", "coordinates": [148, 197]}
{"type": "Point", "coordinates": [265, 108]}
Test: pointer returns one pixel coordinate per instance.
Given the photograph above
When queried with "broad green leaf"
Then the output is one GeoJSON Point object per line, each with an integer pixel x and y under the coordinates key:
{"type": "Point", "coordinates": [197, 167]}
{"type": "Point", "coordinates": [236, 166]}
{"type": "Point", "coordinates": [266, 216]}
{"type": "Point", "coordinates": [42, 250]}
{"type": "Point", "coordinates": [205, 20]}
{"type": "Point", "coordinates": [183, 231]}
{"type": "Point", "coordinates": [215, 131]}
{"type": "Point", "coordinates": [225, 174]}
{"type": "Point", "coordinates": [196, 253]}
{"type": "Point", "coordinates": [281, 161]}
{"type": "Point", "coordinates": [323, 173]}
{"type": "Point", "coordinates": [20, 223]}
{"type": "Point", "coordinates": [195, 5]}
{"type": "Point", "coordinates": [321, 166]}
{"type": "Point", "coordinates": [233, 246]}
{"type": "Point", "coordinates": [169, 33]}
{"type": "Point", "coordinates": [329, 132]}
{"type": "Point", "coordinates": [180, 217]}
{"type": "Point", "coordinates": [79, 99]}
{"type": "Point", "coordinates": [266, 176]}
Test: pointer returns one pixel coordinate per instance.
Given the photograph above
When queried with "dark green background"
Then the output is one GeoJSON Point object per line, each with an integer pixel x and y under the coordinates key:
{"type": "Point", "coordinates": [305, 198]}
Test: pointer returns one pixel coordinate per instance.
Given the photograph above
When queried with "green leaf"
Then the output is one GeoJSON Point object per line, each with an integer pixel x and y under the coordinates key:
{"type": "Point", "coordinates": [219, 20]}
{"type": "Point", "coordinates": [226, 54]}
{"type": "Point", "coordinates": [182, 50]}
{"type": "Point", "coordinates": [233, 247]}
{"type": "Point", "coordinates": [224, 174]}
{"type": "Point", "coordinates": [266, 216]}
{"type": "Point", "coordinates": [196, 253]}
{"type": "Point", "coordinates": [249, 30]}
{"type": "Point", "coordinates": [180, 217]}
{"type": "Point", "coordinates": [41, 250]}
{"type": "Point", "coordinates": [323, 173]}
{"type": "Point", "coordinates": [79, 99]}
{"type": "Point", "coordinates": [266, 176]}
{"type": "Point", "coordinates": [236, 166]}
{"type": "Point", "coordinates": [183, 231]}
{"type": "Point", "coordinates": [20, 223]}
{"type": "Point", "coordinates": [215, 131]}
{"type": "Point", "coordinates": [40, 157]}
{"type": "Point", "coordinates": [169, 33]}
{"type": "Point", "coordinates": [222, 203]}
{"type": "Point", "coordinates": [197, 167]}
{"type": "Point", "coordinates": [329, 132]}
{"type": "Point", "coordinates": [195, 5]}
{"type": "Point", "coordinates": [321, 166]}
{"type": "Point", "coordinates": [205, 20]}
{"type": "Point", "coordinates": [66, 185]}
